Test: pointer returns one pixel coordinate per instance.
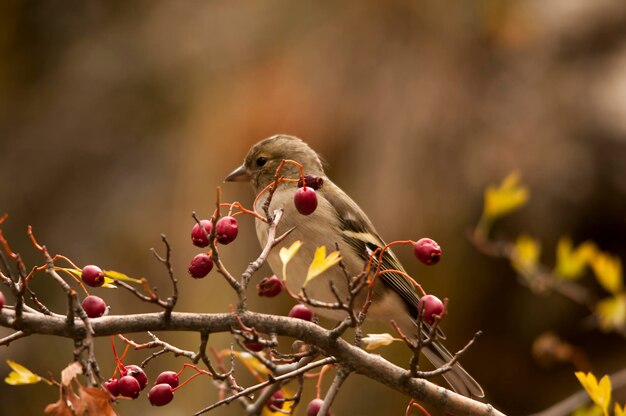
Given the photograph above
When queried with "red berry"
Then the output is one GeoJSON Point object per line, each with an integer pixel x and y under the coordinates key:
{"type": "Point", "coordinates": [301, 312]}
{"type": "Point", "coordinates": [129, 387]}
{"type": "Point", "coordinates": [94, 306]}
{"type": "Point", "coordinates": [311, 181]}
{"type": "Point", "coordinates": [277, 400]}
{"type": "Point", "coordinates": [198, 236]}
{"type": "Point", "coordinates": [305, 200]}
{"type": "Point", "coordinates": [314, 407]}
{"type": "Point", "coordinates": [92, 275]}
{"type": "Point", "coordinates": [253, 346]}
{"type": "Point", "coordinates": [269, 286]}
{"type": "Point", "coordinates": [427, 251]}
{"type": "Point", "coordinates": [161, 394]}
{"type": "Point", "coordinates": [429, 306]}
{"type": "Point", "coordinates": [168, 377]}
{"type": "Point", "coordinates": [200, 266]}
{"type": "Point", "coordinates": [226, 230]}
{"type": "Point", "coordinates": [136, 372]}
{"type": "Point", "coordinates": [2, 300]}
{"type": "Point", "coordinates": [112, 386]}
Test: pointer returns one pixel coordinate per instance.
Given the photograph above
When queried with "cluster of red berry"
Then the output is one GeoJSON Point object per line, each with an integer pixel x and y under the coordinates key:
{"type": "Point", "coordinates": [133, 380]}
{"type": "Point", "coordinates": [226, 230]}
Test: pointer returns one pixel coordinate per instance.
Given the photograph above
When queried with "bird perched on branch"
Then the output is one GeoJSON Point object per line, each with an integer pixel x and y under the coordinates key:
{"type": "Point", "coordinates": [336, 221]}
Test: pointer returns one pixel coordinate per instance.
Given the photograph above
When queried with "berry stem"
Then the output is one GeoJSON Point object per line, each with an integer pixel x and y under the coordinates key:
{"type": "Point", "coordinates": [73, 276]}
{"type": "Point", "coordinates": [318, 385]}
{"type": "Point", "coordinates": [409, 278]}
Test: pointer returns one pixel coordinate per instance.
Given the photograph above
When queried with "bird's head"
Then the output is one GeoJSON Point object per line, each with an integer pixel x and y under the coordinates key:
{"type": "Point", "coordinates": [260, 164]}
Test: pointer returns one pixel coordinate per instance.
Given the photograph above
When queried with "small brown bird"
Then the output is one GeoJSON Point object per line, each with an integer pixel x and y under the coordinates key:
{"type": "Point", "coordinates": [337, 220]}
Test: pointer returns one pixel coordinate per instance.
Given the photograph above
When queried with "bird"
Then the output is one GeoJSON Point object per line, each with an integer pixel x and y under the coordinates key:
{"type": "Point", "coordinates": [336, 222]}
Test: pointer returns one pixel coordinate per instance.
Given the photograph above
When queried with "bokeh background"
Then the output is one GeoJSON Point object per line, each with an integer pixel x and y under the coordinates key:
{"type": "Point", "coordinates": [118, 119]}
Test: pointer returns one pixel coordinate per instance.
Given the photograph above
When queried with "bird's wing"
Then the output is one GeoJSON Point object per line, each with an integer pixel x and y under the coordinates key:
{"type": "Point", "coordinates": [359, 233]}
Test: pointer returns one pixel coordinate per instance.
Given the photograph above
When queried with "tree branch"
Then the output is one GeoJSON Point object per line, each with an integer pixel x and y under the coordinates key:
{"type": "Point", "coordinates": [353, 358]}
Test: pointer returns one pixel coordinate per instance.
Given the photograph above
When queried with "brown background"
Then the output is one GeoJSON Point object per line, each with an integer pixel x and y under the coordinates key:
{"type": "Point", "coordinates": [118, 119]}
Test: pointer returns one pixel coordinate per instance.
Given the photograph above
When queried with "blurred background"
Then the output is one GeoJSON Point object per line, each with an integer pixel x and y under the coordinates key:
{"type": "Point", "coordinates": [118, 119]}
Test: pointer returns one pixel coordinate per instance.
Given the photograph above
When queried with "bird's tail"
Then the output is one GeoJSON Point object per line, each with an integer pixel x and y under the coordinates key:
{"type": "Point", "coordinates": [459, 379]}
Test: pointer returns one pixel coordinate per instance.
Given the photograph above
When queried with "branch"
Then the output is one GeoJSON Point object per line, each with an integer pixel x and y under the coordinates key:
{"type": "Point", "coordinates": [353, 358]}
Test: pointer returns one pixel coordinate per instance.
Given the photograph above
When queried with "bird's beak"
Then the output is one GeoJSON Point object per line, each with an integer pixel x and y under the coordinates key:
{"type": "Point", "coordinates": [238, 175]}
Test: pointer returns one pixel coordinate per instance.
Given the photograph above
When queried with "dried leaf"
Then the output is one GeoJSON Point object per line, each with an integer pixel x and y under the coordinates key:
{"type": "Point", "coordinates": [70, 372]}
{"type": "Point", "coordinates": [95, 401]}
{"type": "Point", "coordinates": [373, 341]}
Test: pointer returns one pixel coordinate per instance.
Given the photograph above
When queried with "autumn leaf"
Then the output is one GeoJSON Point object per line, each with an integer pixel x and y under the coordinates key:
{"type": "Point", "coordinates": [526, 256]}
{"type": "Point", "coordinates": [608, 271]}
{"type": "Point", "coordinates": [612, 312]}
{"type": "Point", "coordinates": [286, 254]}
{"type": "Point", "coordinates": [373, 341]}
{"type": "Point", "coordinates": [111, 274]}
{"type": "Point", "coordinates": [505, 198]}
{"type": "Point", "coordinates": [600, 393]}
{"type": "Point", "coordinates": [70, 372]}
{"type": "Point", "coordinates": [21, 375]}
{"type": "Point", "coordinates": [321, 263]}
{"type": "Point", "coordinates": [570, 262]}
{"type": "Point", "coordinates": [94, 401]}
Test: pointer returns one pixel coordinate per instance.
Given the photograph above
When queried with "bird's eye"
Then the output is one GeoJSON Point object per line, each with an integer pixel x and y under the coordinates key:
{"type": "Point", "coordinates": [261, 161]}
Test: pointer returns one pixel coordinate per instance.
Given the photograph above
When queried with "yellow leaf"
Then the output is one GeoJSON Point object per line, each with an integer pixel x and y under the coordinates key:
{"type": "Point", "coordinates": [570, 262]}
{"type": "Point", "coordinates": [111, 274]}
{"type": "Point", "coordinates": [286, 254]}
{"type": "Point", "coordinates": [590, 410]}
{"type": "Point", "coordinates": [526, 255]}
{"type": "Point", "coordinates": [373, 341]}
{"type": "Point", "coordinates": [600, 393]}
{"type": "Point", "coordinates": [507, 197]}
{"type": "Point", "coordinates": [619, 411]}
{"type": "Point", "coordinates": [20, 375]}
{"type": "Point", "coordinates": [612, 312]}
{"type": "Point", "coordinates": [321, 263]}
{"type": "Point", "coordinates": [608, 271]}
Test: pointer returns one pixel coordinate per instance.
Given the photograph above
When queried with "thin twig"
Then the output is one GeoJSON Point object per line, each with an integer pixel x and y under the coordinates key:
{"type": "Point", "coordinates": [340, 377]}
{"type": "Point", "coordinates": [14, 336]}
{"type": "Point", "coordinates": [171, 301]}
{"type": "Point", "coordinates": [259, 386]}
